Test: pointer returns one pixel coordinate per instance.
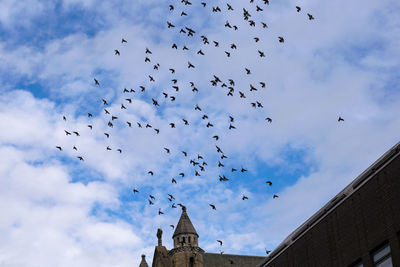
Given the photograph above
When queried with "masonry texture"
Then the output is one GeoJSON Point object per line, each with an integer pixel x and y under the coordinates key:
{"type": "Point", "coordinates": [364, 217]}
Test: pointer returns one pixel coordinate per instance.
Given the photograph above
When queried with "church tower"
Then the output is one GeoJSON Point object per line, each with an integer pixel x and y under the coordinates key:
{"type": "Point", "coordinates": [186, 251]}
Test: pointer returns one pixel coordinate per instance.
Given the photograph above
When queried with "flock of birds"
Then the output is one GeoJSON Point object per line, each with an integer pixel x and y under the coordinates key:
{"type": "Point", "coordinates": [198, 162]}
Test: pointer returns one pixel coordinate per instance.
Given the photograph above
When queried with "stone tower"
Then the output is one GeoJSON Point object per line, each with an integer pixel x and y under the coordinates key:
{"type": "Point", "coordinates": [186, 251]}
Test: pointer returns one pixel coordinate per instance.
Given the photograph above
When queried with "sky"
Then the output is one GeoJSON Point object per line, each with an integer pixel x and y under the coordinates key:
{"type": "Point", "coordinates": [57, 210]}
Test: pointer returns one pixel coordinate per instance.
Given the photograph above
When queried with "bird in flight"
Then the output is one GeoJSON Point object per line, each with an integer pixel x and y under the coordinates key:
{"type": "Point", "coordinates": [213, 206]}
{"type": "Point", "coordinates": [116, 52]}
{"type": "Point", "coordinates": [269, 183]}
{"type": "Point", "coordinates": [220, 242]}
{"type": "Point", "coordinates": [340, 119]}
{"type": "Point", "coordinates": [123, 40]}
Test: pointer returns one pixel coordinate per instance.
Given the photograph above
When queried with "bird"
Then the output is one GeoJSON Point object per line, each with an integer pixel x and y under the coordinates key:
{"type": "Point", "coordinates": [80, 158]}
{"type": "Point", "coordinates": [171, 7]}
{"type": "Point", "coordinates": [173, 181]}
{"type": "Point", "coordinates": [96, 82]}
{"type": "Point", "coordinates": [89, 115]}
{"type": "Point", "coordinates": [216, 137]}
{"type": "Point", "coordinates": [183, 13]}
{"type": "Point", "coordinates": [150, 202]}
{"type": "Point", "coordinates": [155, 103]}
{"type": "Point", "coordinates": [167, 150]}
{"type": "Point", "coordinates": [190, 65]}
{"type": "Point", "coordinates": [117, 52]}
{"type": "Point", "coordinates": [261, 53]}
{"type": "Point", "coordinates": [184, 153]}
{"type": "Point", "coordinates": [129, 124]}
{"type": "Point", "coordinates": [185, 121]}
{"type": "Point", "coordinates": [197, 107]}
{"type": "Point", "coordinates": [172, 125]}
{"type": "Point", "coordinates": [267, 251]}
{"type": "Point", "coordinates": [182, 174]}
{"type": "Point", "coordinates": [151, 173]}
{"type": "Point", "coordinates": [233, 169]}
{"type": "Point", "coordinates": [67, 133]}
{"type": "Point", "coordinates": [244, 197]}
{"type": "Point", "coordinates": [243, 170]}
{"type": "Point", "coordinates": [75, 148]}
{"type": "Point", "coordinates": [340, 119]}
{"type": "Point", "coordinates": [172, 226]}
{"type": "Point", "coordinates": [248, 72]}
{"type": "Point", "coordinates": [76, 133]}
{"type": "Point", "coordinates": [108, 148]}
{"type": "Point", "coordinates": [160, 212]}
{"type": "Point", "coordinates": [123, 40]}
{"type": "Point", "coordinates": [268, 119]}
{"type": "Point", "coordinates": [106, 111]}
{"type": "Point", "coordinates": [281, 39]}
{"type": "Point", "coordinates": [275, 196]}
{"type": "Point", "coordinates": [170, 25]}
{"type": "Point", "coordinates": [262, 84]}
{"type": "Point", "coordinates": [258, 8]}
{"type": "Point", "coordinates": [59, 148]}
{"type": "Point", "coordinates": [212, 206]}
{"type": "Point", "coordinates": [200, 52]}
{"type": "Point", "coordinates": [264, 25]}
{"type": "Point", "coordinates": [107, 135]}
{"type": "Point", "coordinates": [231, 127]}
{"type": "Point", "coordinates": [310, 17]}
{"type": "Point", "coordinates": [148, 51]}
{"type": "Point", "coordinates": [119, 150]}
{"type": "Point", "coordinates": [298, 8]}
{"type": "Point", "coordinates": [220, 242]}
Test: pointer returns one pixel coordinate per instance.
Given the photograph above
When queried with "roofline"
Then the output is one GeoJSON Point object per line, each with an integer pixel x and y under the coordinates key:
{"type": "Point", "coordinates": [356, 184]}
{"type": "Point", "coordinates": [234, 255]}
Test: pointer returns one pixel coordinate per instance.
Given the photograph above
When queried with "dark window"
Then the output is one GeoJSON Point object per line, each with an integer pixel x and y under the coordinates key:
{"type": "Point", "coordinates": [189, 239]}
{"type": "Point", "coordinates": [184, 241]}
{"type": "Point", "coordinates": [357, 263]}
{"type": "Point", "coordinates": [381, 256]}
{"type": "Point", "coordinates": [191, 262]}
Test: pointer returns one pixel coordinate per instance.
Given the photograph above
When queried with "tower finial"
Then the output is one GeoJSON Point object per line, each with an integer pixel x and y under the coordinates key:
{"type": "Point", "coordinates": [159, 236]}
{"type": "Point", "coordinates": [183, 208]}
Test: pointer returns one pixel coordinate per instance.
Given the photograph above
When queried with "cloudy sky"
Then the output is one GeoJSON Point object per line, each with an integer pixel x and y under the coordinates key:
{"type": "Point", "coordinates": [57, 210]}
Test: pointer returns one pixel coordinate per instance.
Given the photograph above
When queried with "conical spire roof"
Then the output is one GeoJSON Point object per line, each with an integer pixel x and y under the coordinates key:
{"type": "Point", "coordinates": [143, 263]}
{"type": "Point", "coordinates": [184, 226]}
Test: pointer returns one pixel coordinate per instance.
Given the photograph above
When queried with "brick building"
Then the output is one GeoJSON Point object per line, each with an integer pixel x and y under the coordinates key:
{"type": "Point", "coordinates": [359, 227]}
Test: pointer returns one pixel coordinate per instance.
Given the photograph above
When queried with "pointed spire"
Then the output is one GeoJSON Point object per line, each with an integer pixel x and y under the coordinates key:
{"type": "Point", "coordinates": [143, 263]}
{"type": "Point", "coordinates": [184, 226]}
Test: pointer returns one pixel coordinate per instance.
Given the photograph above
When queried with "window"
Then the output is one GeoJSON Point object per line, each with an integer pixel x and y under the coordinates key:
{"type": "Point", "coordinates": [189, 239]}
{"type": "Point", "coordinates": [191, 262]}
{"type": "Point", "coordinates": [382, 257]}
{"type": "Point", "coordinates": [357, 263]}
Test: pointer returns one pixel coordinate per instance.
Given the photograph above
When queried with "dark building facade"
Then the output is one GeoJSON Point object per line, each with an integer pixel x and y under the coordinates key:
{"type": "Point", "coordinates": [359, 227]}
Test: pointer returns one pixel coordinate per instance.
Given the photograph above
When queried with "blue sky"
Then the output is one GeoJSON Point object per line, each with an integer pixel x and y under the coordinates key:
{"type": "Point", "coordinates": [59, 211]}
